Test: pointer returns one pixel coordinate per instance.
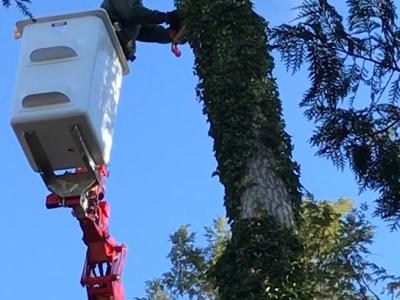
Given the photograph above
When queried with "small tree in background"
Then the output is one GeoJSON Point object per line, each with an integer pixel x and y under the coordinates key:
{"type": "Point", "coordinates": [346, 57]}
{"type": "Point", "coordinates": [336, 237]}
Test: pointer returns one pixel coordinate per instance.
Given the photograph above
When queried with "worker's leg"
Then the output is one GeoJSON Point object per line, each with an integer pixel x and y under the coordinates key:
{"type": "Point", "coordinates": [154, 34]}
{"type": "Point", "coordinates": [127, 38]}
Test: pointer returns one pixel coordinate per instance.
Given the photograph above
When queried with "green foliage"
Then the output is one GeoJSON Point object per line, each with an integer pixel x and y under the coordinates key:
{"type": "Point", "coordinates": [346, 57]}
{"type": "Point", "coordinates": [21, 5]}
{"type": "Point", "coordinates": [239, 94]}
{"type": "Point", "coordinates": [335, 235]}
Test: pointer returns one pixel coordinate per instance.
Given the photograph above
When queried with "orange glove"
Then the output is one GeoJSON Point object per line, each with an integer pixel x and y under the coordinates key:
{"type": "Point", "coordinates": [172, 33]}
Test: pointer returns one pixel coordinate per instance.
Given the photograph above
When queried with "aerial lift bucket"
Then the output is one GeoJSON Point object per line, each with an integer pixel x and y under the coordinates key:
{"type": "Point", "coordinates": [69, 184]}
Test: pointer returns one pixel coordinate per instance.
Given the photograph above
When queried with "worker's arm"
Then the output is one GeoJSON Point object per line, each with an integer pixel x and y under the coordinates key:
{"type": "Point", "coordinates": [142, 15]}
{"type": "Point", "coordinates": [154, 34]}
{"type": "Point", "coordinates": [132, 12]}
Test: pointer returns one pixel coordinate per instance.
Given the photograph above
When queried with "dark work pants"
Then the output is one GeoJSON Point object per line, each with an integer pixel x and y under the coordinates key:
{"type": "Point", "coordinates": [125, 11]}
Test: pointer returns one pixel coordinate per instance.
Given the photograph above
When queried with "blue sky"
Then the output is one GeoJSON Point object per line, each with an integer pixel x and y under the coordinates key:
{"type": "Point", "coordinates": [161, 167]}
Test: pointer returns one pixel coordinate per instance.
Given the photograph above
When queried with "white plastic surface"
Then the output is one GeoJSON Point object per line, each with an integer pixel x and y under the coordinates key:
{"type": "Point", "coordinates": [70, 73]}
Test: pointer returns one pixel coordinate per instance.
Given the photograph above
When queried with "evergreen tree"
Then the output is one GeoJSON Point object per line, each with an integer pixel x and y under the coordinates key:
{"type": "Point", "coordinates": [347, 56]}
{"type": "Point", "coordinates": [336, 237]}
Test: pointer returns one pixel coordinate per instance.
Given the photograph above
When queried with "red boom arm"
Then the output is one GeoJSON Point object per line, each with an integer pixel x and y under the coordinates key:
{"type": "Point", "coordinates": [104, 261]}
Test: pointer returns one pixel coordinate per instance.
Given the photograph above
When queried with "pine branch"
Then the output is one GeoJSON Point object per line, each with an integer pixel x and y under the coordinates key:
{"type": "Point", "coordinates": [21, 5]}
{"type": "Point", "coordinates": [343, 56]}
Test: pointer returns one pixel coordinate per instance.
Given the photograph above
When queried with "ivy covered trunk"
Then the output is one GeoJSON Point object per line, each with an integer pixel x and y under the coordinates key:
{"type": "Point", "coordinates": [262, 197]}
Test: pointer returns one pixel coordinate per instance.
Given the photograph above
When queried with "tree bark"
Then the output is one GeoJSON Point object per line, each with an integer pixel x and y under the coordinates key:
{"type": "Point", "coordinates": [268, 188]}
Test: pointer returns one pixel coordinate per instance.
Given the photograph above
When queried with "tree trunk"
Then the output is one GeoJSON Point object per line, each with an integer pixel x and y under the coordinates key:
{"type": "Point", "coordinates": [263, 260]}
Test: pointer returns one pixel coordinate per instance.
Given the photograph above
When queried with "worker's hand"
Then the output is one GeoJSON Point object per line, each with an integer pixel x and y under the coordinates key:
{"type": "Point", "coordinates": [172, 33]}
{"type": "Point", "coordinates": [173, 20]}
